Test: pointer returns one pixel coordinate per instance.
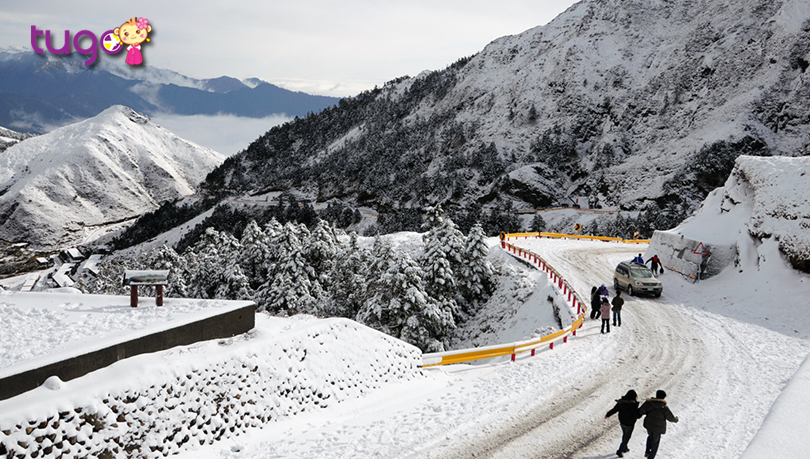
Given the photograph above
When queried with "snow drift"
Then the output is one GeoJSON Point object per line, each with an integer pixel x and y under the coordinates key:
{"type": "Point", "coordinates": [106, 169]}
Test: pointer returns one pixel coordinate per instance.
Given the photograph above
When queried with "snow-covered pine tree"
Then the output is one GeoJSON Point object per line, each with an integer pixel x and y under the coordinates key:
{"type": "Point", "coordinates": [320, 250]}
{"type": "Point", "coordinates": [216, 268]}
{"type": "Point", "coordinates": [349, 280]}
{"type": "Point", "coordinates": [289, 288]}
{"type": "Point", "coordinates": [255, 254]}
{"type": "Point", "coordinates": [475, 278]}
{"type": "Point", "coordinates": [397, 303]}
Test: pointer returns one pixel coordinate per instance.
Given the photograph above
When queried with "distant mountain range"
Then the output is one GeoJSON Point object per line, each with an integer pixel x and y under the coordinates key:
{"type": "Point", "coordinates": [39, 92]}
{"type": "Point", "coordinates": [58, 187]}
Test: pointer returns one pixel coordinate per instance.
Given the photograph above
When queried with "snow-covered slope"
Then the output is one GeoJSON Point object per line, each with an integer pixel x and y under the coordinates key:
{"type": "Point", "coordinates": [114, 166]}
{"type": "Point", "coordinates": [637, 103]}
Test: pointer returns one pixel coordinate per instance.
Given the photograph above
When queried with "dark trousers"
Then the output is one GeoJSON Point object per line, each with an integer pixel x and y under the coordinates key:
{"type": "Point", "coordinates": [595, 313]}
{"type": "Point", "coordinates": [627, 432]}
{"type": "Point", "coordinates": [617, 318]}
{"type": "Point", "coordinates": [605, 323]}
{"type": "Point", "coordinates": [653, 439]}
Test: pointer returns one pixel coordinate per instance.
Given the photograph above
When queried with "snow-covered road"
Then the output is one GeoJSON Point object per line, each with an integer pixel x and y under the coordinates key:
{"type": "Point", "coordinates": [721, 374]}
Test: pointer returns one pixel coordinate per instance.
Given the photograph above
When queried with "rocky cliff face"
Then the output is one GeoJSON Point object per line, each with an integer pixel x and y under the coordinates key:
{"type": "Point", "coordinates": [639, 104]}
{"type": "Point", "coordinates": [113, 167]}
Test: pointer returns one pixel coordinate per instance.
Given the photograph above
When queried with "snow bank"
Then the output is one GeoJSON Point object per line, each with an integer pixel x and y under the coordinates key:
{"type": "Point", "coordinates": [160, 404]}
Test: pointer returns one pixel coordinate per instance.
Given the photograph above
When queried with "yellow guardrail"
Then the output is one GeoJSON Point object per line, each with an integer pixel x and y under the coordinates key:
{"type": "Point", "coordinates": [575, 236]}
{"type": "Point", "coordinates": [499, 350]}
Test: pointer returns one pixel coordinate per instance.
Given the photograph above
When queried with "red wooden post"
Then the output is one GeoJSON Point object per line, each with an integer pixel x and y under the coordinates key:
{"type": "Point", "coordinates": [565, 339]}
{"type": "Point", "coordinates": [503, 244]}
{"type": "Point", "coordinates": [159, 295]}
{"type": "Point", "coordinates": [133, 296]}
{"type": "Point", "coordinates": [551, 346]}
{"type": "Point", "coordinates": [513, 357]}
{"type": "Point", "coordinates": [532, 352]}
{"type": "Point", "coordinates": [574, 332]}
{"type": "Point", "coordinates": [561, 282]}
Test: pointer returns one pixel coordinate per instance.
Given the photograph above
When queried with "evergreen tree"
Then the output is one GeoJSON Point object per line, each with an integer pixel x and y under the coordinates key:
{"type": "Point", "coordinates": [255, 254]}
{"type": "Point", "coordinates": [349, 280]}
{"type": "Point", "coordinates": [538, 224]}
{"type": "Point", "coordinates": [398, 304]}
{"type": "Point", "coordinates": [476, 274]}
{"type": "Point", "coordinates": [216, 272]}
{"type": "Point", "coordinates": [320, 250]}
{"type": "Point", "coordinates": [292, 286]}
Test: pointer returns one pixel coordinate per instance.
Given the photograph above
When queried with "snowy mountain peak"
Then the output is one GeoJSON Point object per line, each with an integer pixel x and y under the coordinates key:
{"type": "Point", "coordinates": [109, 168]}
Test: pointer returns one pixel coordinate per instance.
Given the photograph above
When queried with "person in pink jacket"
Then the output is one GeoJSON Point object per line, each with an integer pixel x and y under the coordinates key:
{"type": "Point", "coordinates": [605, 308]}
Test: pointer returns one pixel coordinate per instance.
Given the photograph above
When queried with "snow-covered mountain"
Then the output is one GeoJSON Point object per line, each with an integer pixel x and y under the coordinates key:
{"type": "Point", "coordinates": [9, 138]}
{"type": "Point", "coordinates": [112, 167]}
{"type": "Point", "coordinates": [641, 104]}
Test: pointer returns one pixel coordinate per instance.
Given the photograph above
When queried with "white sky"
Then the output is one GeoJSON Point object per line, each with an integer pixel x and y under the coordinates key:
{"type": "Point", "coordinates": [316, 46]}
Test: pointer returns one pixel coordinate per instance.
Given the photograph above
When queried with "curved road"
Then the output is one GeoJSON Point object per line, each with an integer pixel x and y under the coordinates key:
{"type": "Point", "coordinates": [718, 373]}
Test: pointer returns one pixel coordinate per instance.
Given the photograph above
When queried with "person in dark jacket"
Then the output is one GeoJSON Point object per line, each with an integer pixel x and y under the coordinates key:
{"type": "Point", "coordinates": [627, 407]}
{"type": "Point", "coordinates": [617, 302]}
{"type": "Point", "coordinates": [655, 263]}
{"type": "Point", "coordinates": [657, 414]}
{"type": "Point", "coordinates": [605, 307]}
{"type": "Point", "coordinates": [596, 303]}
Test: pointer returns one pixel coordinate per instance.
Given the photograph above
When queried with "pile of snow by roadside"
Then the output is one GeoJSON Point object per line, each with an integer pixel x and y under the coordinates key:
{"type": "Point", "coordinates": [162, 403]}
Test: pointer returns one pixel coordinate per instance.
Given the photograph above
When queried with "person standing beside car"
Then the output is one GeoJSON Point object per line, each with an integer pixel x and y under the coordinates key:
{"type": "Point", "coordinates": [605, 309]}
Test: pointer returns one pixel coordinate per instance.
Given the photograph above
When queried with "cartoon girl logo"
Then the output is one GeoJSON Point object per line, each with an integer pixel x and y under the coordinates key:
{"type": "Point", "coordinates": [133, 33]}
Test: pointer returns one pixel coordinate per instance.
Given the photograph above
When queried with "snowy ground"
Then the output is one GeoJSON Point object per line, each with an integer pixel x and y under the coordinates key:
{"type": "Point", "coordinates": [47, 327]}
{"type": "Point", "coordinates": [723, 349]}
{"type": "Point", "coordinates": [722, 375]}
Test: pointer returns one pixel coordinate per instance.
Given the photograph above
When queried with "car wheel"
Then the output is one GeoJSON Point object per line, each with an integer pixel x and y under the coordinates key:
{"type": "Point", "coordinates": [630, 290]}
{"type": "Point", "coordinates": [615, 284]}
{"type": "Point", "coordinates": [658, 295]}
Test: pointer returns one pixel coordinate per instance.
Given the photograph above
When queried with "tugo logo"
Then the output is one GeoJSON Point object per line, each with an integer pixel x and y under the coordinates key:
{"type": "Point", "coordinates": [131, 33]}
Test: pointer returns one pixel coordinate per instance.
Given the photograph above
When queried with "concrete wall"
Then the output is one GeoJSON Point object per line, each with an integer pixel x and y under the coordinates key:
{"type": "Point", "coordinates": [678, 254]}
{"type": "Point", "coordinates": [221, 326]}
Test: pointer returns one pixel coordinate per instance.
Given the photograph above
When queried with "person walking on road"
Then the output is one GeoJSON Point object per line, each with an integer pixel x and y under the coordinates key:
{"type": "Point", "coordinates": [657, 414]}
{"type": "Point", "coordinates": [617, 302]}
{"type": "Point", "coordinates": [596, 303]}
{"type": "Point", "coordinates": [627, 407]}
{"type": "Point", "coordinates": [605, 310]}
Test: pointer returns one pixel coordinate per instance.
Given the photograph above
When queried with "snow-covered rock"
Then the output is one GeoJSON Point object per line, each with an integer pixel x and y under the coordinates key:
{"type": "Point", "coordinates": [109, 168]}
{"type": "Point", "coordinates": [9, 138]}
{"type": "Point", "coordinates": [762, 206]}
